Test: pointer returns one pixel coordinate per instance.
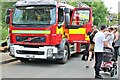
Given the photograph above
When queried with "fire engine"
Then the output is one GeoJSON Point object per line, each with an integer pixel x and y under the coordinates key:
{"type": "Point", "coordinates": [41, 29]}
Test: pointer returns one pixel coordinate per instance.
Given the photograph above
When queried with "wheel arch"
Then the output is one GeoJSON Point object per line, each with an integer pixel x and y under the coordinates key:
{"type": "Point", "coordinates": [62, 45]}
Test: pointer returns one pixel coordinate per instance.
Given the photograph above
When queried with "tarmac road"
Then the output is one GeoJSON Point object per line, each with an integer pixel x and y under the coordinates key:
{"type": "Point", "coordinates": [74, 68]}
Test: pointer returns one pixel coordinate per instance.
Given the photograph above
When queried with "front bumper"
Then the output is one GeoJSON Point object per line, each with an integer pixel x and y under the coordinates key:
{"type": "Point", "coordinates": [46, 52]}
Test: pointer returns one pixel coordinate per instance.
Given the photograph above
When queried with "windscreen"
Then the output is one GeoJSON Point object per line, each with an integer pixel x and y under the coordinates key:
{"type": "Point", "coordinates": [37, 15]}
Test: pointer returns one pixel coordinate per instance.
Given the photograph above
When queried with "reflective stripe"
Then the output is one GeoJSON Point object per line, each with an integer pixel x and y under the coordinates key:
{"type": "Point", "coordinates": [77, 31]}
{"type": "Point", "coordinates": [59, 31]}
{"type": "Point", "coordinates": [87, 37]}
{"type": "Point", "coordinates": [31, 31]}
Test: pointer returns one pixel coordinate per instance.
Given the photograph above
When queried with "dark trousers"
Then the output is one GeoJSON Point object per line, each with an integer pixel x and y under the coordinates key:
{"type": "Point", "coordinates": [86, 52]}
{"type": "Point", "coordinates": [98, 59]}
{"type": "Point", "coordinates": [116, 53]}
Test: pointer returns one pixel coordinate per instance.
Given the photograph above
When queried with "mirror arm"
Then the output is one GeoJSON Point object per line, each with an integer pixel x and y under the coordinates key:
{"type": "Point", "coordinates": [59, 26]}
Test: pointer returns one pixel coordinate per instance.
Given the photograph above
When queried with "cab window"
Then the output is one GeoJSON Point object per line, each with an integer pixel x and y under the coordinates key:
{"type": "Point", "coordinates": [81, 17]}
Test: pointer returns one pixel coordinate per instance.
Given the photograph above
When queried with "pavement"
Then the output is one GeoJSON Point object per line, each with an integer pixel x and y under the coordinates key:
{"type": "Point", "coordinates": [5, 58]}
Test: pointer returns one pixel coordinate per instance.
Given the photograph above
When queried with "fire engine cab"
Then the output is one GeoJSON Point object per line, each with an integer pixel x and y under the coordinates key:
{"type": "Point", "coordinates": [47, 29]}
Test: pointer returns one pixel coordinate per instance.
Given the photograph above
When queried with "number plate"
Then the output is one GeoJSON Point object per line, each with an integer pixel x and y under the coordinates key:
{"type": "Point", "coordinates": [29, 56]}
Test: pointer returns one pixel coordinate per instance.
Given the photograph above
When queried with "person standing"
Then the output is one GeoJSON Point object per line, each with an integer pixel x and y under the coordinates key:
{"type": "Point", "coordinates": [100, 41]}
{"type": "Point", "coordinates": [109, 35]}
{"type": "Point", "coordinates": [116, 43]}
{"type": "Point", "coordinates": [86, 52]}
{"type": "Point", "coordinates": [91, 47]}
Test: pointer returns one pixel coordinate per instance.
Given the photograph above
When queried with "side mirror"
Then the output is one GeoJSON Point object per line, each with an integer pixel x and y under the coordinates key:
{"type": "Point", "coordinates": [67, 18]}
{"type": "Point", "coordinates": [7, 11]}
{"type": "Point", "coordinates": [7, 19]}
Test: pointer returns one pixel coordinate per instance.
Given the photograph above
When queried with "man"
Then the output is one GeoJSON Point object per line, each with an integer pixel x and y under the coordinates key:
{"type": "Point", "coordinates": [100, 41]}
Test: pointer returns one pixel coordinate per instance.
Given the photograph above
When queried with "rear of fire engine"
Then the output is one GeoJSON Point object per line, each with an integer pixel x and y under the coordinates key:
{"type": "Point", "coordinates": [45, 30]}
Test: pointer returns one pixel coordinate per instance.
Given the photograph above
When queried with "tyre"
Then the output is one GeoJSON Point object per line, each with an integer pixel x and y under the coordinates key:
{"type": "Point", "coordinates": [104, 69]}
{"type": "Point", "coordinates": [116, 72]}
{"type": "Point", "coordinates": [24, 59]}
{"type": "Point", "coordinates": [65, 58]}
{"type": "Point", "coordinates": [112, 73]}
{"type": "Point", "coordinates": [115, 69]}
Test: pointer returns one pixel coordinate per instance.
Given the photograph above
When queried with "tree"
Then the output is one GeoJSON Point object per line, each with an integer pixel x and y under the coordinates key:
{"type": "Point", "coordinates": [99, 12]}
{"type": "Point", "coordinates": [75, 4]}
{"type": "Point", "coordinates": [119, 18]}
{"type": "Point", "coordinates": [114, 19]}
{"type": "Point", "coordinates": [5, 5]}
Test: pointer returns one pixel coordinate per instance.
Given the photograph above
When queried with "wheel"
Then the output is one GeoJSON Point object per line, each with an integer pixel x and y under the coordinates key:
{"type": "Point", "coordinates": [115, 72]}
{"type": "Point", "coordinates": [65, 58]}
{"type": "Point", "coordinates": [115, 69]}
{"type": "Point", "coordinates": [24, 59]}
{"type": "Point", "coordinates": [112, 73]}
{"type": "Point", "coordinates": [104, 69]}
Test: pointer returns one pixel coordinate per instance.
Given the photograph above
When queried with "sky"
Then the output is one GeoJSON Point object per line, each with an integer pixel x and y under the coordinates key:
{"type": "Point", "coordinates": [112, 5]}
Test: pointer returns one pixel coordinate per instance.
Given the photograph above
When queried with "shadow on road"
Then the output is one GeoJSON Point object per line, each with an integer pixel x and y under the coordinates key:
{"type": "Point", "coordinates": [45, 63]}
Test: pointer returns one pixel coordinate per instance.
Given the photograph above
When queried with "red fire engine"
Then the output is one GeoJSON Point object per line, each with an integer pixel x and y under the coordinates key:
{"type": "Point", "coordinates": [47, 29]}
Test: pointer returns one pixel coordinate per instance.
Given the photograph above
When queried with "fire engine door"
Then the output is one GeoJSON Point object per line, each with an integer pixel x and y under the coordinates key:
{"type": "Point", "coordinates": [79, 18]}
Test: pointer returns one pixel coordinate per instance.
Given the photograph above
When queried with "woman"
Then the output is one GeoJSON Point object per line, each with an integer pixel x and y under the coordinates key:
{"type": "Point", "coordinates": [91, 47]}
{"type": "Point", "coordinates": [116, 42]}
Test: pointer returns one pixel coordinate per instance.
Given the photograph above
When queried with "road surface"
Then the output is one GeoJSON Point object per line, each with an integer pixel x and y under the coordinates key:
{"type": "Point", "coordinates": [74, 68]}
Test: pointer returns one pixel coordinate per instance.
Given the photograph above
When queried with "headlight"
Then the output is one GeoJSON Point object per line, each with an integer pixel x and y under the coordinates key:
{"type": "Point", "coordinates": [12, 50]}
{"type": "Point", "coordinates": [42, 39]}
{"type": "Point", "coordinates": [49, 53]}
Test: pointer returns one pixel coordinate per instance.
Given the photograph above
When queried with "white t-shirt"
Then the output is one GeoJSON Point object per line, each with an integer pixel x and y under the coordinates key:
{"type": "Point", "coordinates": [99, 41]}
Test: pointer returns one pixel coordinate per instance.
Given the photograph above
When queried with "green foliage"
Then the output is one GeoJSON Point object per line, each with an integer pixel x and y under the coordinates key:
{"type": "Point", "coordinates": [5, 5]}
{"type": "Point", "coordinates": [4, 33]}
{"type": "Point", "coordinates": [99, 12]}
{"type": "Point", "coordinates": [75, 4]}
{"type": "Point", "coordinates": [119, 18]}
{"type": "Point", "coordinates": [114, 20]}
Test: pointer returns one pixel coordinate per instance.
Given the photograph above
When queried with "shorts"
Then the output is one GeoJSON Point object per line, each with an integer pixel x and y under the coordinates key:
{"type": "Point", "coordinates": [91, 47]}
